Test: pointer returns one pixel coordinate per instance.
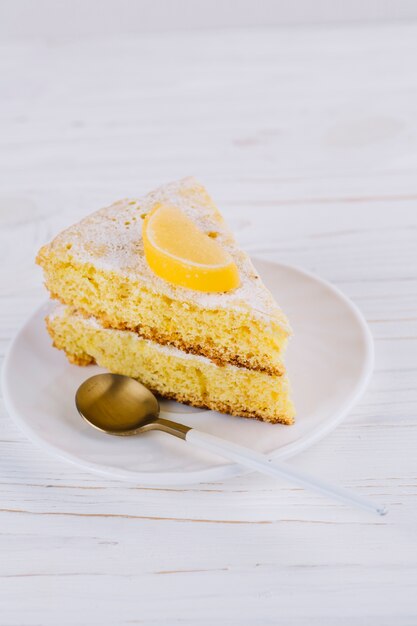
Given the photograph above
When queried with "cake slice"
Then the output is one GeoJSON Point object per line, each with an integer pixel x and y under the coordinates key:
{"type": "Point", "coordinates": [172, 373]}
{"type": "Point", "coordinates": [158, 289]}
{"type": "Point", "coordinates": [99, 268]}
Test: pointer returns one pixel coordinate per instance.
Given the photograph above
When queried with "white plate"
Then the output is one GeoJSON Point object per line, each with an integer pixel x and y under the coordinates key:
{"type": "Point", "coordinates": [329, 359]}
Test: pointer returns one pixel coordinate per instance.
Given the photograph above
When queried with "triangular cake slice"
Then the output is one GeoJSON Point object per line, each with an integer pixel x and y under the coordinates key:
{"type": "Point", "coordinates": [98, 268]}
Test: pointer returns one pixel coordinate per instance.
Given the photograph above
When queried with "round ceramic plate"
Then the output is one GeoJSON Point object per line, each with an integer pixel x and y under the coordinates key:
{"type": "Point", "coordinates": [329, 360]}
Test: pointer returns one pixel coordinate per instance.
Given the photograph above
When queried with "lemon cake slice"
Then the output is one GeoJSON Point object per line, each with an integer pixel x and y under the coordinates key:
{"type": "Point", "coordinates": [172, 373]}
{"type": "Point", "coordinates": [99, 268]}
{"type": "Point", "coordinates": [159, 290]}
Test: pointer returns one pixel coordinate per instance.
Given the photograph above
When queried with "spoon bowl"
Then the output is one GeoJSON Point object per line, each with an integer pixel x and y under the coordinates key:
{"type": "Point", "coordinates": [119, 405]}
{"type": "Point", "coordinates": [116, 404]}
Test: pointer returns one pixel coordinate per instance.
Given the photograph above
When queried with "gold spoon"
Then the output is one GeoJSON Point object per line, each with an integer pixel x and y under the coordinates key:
{"type": "Point", "coordinates": [119, 405]}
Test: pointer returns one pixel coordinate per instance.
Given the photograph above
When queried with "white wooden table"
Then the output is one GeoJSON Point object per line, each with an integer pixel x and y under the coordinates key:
{"type": "Point", "coordinates": [308, 140]}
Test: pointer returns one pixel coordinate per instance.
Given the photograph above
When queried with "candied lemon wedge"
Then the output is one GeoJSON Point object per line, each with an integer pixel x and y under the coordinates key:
{"type": "Point", "coordinates": [180, 253]}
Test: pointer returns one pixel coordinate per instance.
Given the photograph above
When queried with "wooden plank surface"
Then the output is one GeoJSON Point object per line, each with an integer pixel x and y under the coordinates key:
{"type": "Point", "coordinates": [307, 137]}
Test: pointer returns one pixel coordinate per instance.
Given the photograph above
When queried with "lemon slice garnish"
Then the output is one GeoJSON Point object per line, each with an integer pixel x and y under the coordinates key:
{"type": "Point", "coordinates": [180, 253]}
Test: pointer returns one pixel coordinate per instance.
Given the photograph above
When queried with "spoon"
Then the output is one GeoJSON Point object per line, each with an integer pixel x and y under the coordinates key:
{"type": "Point", "coordinates": [119, 405]}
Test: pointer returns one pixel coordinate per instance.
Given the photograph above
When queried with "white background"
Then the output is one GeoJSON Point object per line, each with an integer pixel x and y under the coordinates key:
{"type": "Point", "coordinates": [306, 135]}
{"type": "Point", "coordinates": [64, 19]}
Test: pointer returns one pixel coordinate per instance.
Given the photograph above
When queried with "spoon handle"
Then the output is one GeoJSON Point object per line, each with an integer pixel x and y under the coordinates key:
{"type": "Point", "coordinates": [261, 463]}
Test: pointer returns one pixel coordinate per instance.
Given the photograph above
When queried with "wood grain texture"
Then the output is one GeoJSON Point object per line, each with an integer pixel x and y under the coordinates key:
{"type": "Point", "coordinates": [308, 139]}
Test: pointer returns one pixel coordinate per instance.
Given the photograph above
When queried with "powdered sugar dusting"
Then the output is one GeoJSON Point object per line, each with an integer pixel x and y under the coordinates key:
{"type": "Point", "coordinates": [111, 239]}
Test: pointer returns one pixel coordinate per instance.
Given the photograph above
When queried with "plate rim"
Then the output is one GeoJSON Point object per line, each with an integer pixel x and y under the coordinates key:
{"type": "Point", "coordinates": [221, 472]}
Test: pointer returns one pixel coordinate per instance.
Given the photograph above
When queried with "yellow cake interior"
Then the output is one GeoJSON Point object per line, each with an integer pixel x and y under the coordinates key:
{"type": "Point", "coordinates": [172, 372]}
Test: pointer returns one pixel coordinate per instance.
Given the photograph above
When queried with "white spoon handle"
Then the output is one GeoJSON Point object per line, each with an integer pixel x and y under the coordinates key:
{"type": "Point", "coordinates": [261, 463]}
